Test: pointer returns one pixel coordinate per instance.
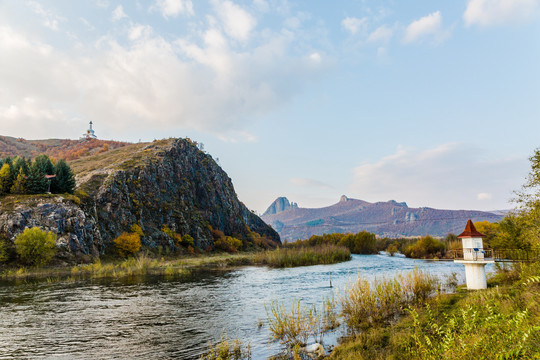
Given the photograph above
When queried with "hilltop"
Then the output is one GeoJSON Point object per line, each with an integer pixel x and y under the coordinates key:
{"type": "Point", "coordinates": [391, 218]}
{"type": "Point", "coordinates": [55, 148]}
{"type": "Point", "coordinates": [166, 187]}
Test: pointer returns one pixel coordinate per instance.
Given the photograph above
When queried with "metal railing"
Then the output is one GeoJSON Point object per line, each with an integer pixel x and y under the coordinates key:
{"type": "Point", "coordinates": [473, 254]}
{"type": "Point", "coordinates": [501, 255]}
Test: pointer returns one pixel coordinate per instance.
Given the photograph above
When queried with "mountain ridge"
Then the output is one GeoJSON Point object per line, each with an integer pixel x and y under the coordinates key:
{"type": "Point", "coordinates": [390, 218]}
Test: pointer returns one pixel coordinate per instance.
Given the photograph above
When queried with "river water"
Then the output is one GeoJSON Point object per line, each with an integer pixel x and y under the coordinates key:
{"type": "Point", "coordinates": [160, 318]}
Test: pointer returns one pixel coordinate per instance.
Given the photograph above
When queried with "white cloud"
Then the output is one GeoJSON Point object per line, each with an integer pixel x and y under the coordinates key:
{"type": "Point", "coordinates": [499, 12]}
{"type": "Point", "coordinates": [305, 182]}
{"type": "Point", "coordinates": [484, 196]}
{"type": "Point", "coordinates": [118, 13]}
{"type": "Point", "coordinates": [146, 83]}
{"type": "Point", "coordinates": [354, 25]}
{"type": "Point", "coordinates": [425, 27]}
{"type": "Point", "coordinates": [50, 19]}
{"type": "Point", "coordinates": [381, 34]}
{"type": "Point", "coordinates": [448, 176]}
{"type": "Point", "coordinates": [237, 22]}
{"type": "Point", "coordinates": [172, 8]}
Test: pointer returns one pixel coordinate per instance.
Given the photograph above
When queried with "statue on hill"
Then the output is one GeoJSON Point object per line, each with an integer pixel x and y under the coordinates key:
{"type": "Point", "coordinates": [90, 134]}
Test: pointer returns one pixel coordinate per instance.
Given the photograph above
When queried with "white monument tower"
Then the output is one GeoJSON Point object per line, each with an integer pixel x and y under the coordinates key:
{"type": "Point", "coordinates": [474, 257]}
{"type": "Point", "coordinates": [89, 133]}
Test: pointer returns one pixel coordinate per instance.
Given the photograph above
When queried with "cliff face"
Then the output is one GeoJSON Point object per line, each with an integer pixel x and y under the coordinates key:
{"type": "Point", "coordinates": [175, 184]}
{"type": "Point", "coordinates": [165, 183]}
{"type": "Point", "coordinates": [78, 235]}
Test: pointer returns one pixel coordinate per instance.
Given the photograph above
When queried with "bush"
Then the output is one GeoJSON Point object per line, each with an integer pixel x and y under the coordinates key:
{"type": "Point", "coordinates": [188, 241]}
{"type": "Point", "coordinates": [4, 252]}
{"type": "Point", "coordinates": [228, 244]}
{"type": "Point", "coordinates": [35, 246]}
{"type": "Point", "coordinates": [128, 244]}
{"type": "Point", "coordinates": [136, 228]}
{"type": "Point", "coordinates": [425, 247]}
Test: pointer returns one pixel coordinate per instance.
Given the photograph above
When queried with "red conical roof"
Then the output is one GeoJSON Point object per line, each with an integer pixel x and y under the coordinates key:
{"type": "Point", "coordinates": [470, 231]}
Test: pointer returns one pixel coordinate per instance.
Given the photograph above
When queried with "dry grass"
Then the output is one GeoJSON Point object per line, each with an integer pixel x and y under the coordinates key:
{"type": "Point", "coordinates": [366, 304]}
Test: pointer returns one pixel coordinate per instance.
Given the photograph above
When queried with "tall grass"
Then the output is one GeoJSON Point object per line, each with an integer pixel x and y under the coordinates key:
{"type": "Point", "coordinates": [227, 349]}
{"type": "Point", "coordinates": [366, 304]}
{"type": "Point", "coordinates": [303, 256]}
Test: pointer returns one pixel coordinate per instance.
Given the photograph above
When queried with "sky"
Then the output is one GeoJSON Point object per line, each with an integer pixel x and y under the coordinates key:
{"type": "Point", "coordinates": [435, 103]}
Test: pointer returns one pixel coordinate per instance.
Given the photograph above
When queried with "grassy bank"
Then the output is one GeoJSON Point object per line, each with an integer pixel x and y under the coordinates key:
{"type": "Point", "coordinates": [143, 264]}
{"type": "Point", "coordinates": [501, 322]}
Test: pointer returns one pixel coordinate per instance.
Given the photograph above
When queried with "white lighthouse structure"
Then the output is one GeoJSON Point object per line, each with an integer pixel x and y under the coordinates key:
{"type": "Point", "coordinates": [90, 134]}
{"type": "Point", "coordinates": [474, 257]}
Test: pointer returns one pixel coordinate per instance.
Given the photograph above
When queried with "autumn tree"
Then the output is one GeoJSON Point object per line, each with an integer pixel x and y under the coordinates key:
{"type": "Point", "coordinates": [5, 179]}
{"type": "Point", "coordinates": [20, 184]}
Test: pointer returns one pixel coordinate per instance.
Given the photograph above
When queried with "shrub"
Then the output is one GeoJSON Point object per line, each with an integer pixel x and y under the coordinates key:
{"type": "Point", "coordinates": [4, 251]}
{"type": "Point", "coordinates": [425, 247]}
{"type": "Point", "coordinates": [188, 241]}
{"type": "Point", "coordinates": [228, 244]}
{"type": "Point", "coordinates": [136, 228]}
{"type": "Point", "coordinates": [128, 244]}
{"type": "Point", "coordinates": [35, 246]}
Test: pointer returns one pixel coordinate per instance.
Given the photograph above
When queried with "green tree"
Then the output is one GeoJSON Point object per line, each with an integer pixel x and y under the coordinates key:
{"type": "Point", "coordinates": [35, 246]}
{"type": "Point", "coordinates": [5, 179]}
{"type": "Point", "coordinates": [20, 184]}
{"type": "Point", "coordinates": [64, 182]}
{"type": "Point", "coordinates": [37, 183]}
{"type": "Point", "coordinates": [44, 163]}
{"type": "Point", "coordinates": [4, 251]}
{"type": "Point", "coordinates": [18, 164]}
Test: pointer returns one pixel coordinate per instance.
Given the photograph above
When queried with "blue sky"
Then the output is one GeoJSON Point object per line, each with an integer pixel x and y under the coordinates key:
{"type": "Point", "coordinates": [435, 103]}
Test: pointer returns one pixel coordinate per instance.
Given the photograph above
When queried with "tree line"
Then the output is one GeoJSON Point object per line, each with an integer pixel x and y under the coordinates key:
{"type": "Point", "coordinates": [25, 176]}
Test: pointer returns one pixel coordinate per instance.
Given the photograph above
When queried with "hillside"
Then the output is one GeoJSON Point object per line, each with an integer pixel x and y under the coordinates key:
{"type": "Point", "coordinates": [164, 186]}
{"type": "Point", "coordinates": [55, 148]}
{"type": "Point", "coordinates": [392, 219]}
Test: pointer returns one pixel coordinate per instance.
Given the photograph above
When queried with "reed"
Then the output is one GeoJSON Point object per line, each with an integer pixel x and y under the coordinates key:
{"type": "Point", "coordinates": [366, 304]}
{"type": "Point", "coordinates": [227, 349]}
{"type": "Point", "coordinates": [303, 256]}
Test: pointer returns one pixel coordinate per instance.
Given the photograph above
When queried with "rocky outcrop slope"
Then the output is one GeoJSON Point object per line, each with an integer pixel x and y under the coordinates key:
{"type": "Point", "coordinates": [164, 185]}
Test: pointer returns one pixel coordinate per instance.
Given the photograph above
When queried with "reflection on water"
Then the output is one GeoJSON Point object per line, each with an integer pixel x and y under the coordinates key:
{"type": "Point", "coordinates": [164, 319]}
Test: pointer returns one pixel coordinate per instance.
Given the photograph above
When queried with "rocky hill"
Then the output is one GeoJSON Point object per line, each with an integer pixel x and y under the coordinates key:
{"type": "Point", "coordinates": [392, 219]}
{"type": "Point", "coordinates": [168, 183]}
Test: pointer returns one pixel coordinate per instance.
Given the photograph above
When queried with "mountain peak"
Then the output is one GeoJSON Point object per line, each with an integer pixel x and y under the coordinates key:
{"type": "Point", "coordinates": [279, 205]}
{"type": "Point", "coordinates": [343, 198]}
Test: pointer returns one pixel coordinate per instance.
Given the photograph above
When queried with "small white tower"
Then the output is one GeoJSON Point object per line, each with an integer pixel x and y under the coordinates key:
{"type": "Point", "coordinates": [474, 257]}
{"type": "Point", "coordinates": [90, 134]}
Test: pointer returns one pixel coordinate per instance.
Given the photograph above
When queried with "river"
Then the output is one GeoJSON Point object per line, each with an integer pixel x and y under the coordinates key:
{"type": "Point", "coordinates": [157, 318]}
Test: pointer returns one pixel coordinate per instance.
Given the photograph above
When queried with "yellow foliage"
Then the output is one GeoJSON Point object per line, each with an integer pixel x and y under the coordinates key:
{"type": "Point", "coordinates": [128, 244]}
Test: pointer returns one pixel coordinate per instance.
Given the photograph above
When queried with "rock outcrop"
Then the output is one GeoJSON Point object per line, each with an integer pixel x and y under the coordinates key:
{"type": "Point", "coordinates": [279, 205]}
{"type": "Point", "coordinates": [166, 185]}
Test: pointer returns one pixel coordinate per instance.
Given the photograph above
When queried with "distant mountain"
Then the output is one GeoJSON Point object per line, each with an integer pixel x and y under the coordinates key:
{"type": "Point", "coordinates": [391, 218]}
{"type": "Point", "coordinates": [279, 205]}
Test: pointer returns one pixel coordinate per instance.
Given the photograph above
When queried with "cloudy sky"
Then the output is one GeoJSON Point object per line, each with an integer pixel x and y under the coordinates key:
{"type": "Point", "coordinates": [436, 103]}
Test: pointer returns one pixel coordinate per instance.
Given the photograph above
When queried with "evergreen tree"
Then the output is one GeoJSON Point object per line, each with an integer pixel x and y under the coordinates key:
{"type": "Point", "coordinates": [65, 180]}
{"type": "Point", "coordinates": [37, 183]}
{"type": "Point", "coordinates": [5, 179]}
{"type": "Point", "coordinates": [18, 164]}
{"type": "Point", "coordinates": [20, 184]}
{"type": "Point", "coordinates": [44, 164]}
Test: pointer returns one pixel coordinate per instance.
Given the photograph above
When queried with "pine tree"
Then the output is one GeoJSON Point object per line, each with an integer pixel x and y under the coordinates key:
{"type": "Point", "coordinates": [43, 162]}
{"type": "Point", "coordinates": [20, 184]}
{"type": "Point", "coordinates": [5, 179]}
{"type": "Point", "coordinates": [65, 180]}
{"type": "Point", "coordinates": [37, 183]}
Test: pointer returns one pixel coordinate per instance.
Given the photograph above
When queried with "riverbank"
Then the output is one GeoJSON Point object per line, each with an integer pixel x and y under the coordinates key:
{"type": "Point", "coordinates": [498, 323]}
{"type": "Point", "coordinates": [144, 264]}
